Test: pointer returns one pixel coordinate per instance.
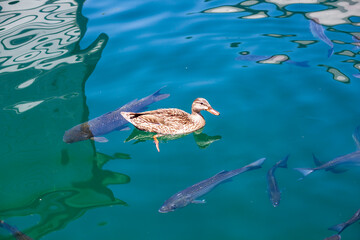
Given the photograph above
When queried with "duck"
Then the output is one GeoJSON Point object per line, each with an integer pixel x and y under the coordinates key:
{"type": "Point", "coordinates": [170, 121]}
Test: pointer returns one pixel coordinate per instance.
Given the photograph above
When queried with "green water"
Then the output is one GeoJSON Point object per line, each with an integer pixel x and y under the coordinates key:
{"type": "Point", "coordinates": [65, 62]}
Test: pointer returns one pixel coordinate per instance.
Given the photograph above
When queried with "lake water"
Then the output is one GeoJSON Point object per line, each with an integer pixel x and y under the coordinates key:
{"type": "Point", "coordinates": [278, 90]}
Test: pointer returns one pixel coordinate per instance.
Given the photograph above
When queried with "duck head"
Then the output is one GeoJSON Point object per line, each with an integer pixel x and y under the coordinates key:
{"type": "Point", "coordinates": [202, 104]}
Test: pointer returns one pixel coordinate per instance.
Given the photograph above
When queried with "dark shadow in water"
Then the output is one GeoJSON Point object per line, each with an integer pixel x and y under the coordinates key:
{"type": "Point", "coordinates": [201, 139]}
{"type": "Point", "coordinates": [43, 73]}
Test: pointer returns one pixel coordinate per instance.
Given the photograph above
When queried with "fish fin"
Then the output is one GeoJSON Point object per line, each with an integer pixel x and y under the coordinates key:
{"type": "Point", "coordinates": [338, 228]}
{"type": "Point", "coordinates": [304, 171]}
{"type": "Point", "coordinates": [317, 161]}
{"type": "Point", "coordinates": [356, 137]}
{"type": "Point", "coordinates": [256, 164]}
{"type": "Point", "coordinates": [100, 139]}
{"type": "Point", "coordinates": [198, 201]}
{"type": "Point", "coordinates": [330, 52]}
{"type": "Point", "coordinates": [283, 163]}
{"type": "Point", "coordinates": [222, 172]}
{"type": "Point", "coordinates": [160, 96]}
{"type": "Point", "coordinates": [124, 129]}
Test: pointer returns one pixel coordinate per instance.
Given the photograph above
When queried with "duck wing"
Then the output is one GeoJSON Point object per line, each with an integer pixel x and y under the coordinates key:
{"type": "Point", "coordinates": [154, 121]}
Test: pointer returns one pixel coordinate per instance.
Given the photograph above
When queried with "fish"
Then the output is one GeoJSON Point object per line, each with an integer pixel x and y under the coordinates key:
{"type": "Point", "coordinates": [356, 42]}
{"type": "Point", "coordinates": [351, 159]}
{"type": "Point", "coordinates": [333, 237]}
{"type": "Point", "coordinates": [256, 58]}
{"type": "Point", "coordinates": [192, 193]}
{"type": "Point", "coordinates": [317, 31]}
{"type": "Point", "coordinates": [342, 226]}
{"type": "Point", "coordinates": [14, 231]}
{"type": "Point", "coordinates": [110, 121]}
{"type": "Point", "coordinates": [273, 189]}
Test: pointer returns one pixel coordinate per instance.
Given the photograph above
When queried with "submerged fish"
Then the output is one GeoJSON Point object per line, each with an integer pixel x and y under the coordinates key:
{"type": "Point", "coordinates": [273, 189]}
{"type": "Point", "coordinates": [190, 194]}
{"type": "Point", "coordinates": [317, 31]}
{"type": "Point", "coordinates": [14, 231]}
{"type": "Point", "coordinates": [357, 75]}
{"type": "Point", "coordinates": [333, 165]}
{"type": "Point", "coordinates": [333, 237]}
{"type": "Point", "coordinates": [356, 41]}
{"type": "Point", "coordinates": [110, 121]}
{"type": "Point", "coordinates": [250, 57]}
{"type": "Point", "coordinates": [341, 227]}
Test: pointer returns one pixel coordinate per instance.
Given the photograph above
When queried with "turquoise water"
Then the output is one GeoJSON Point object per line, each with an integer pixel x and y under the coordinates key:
{"type": "Point", "coordinates": [257, 63]}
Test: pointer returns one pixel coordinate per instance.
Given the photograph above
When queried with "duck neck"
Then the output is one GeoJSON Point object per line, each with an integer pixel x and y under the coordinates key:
{"type": "Point", "coordinates": [196, 114]}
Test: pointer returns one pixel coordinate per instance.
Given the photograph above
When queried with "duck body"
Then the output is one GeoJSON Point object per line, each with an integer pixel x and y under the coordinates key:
{"type": "Point", "coordinates": [170, 121]}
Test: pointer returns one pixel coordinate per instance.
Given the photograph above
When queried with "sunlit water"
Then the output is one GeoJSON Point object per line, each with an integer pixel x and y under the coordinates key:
{"type": "Point", "coordinates": [258, 63]}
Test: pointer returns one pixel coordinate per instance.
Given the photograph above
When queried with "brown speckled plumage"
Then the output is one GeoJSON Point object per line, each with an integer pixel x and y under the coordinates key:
{"type": "Point", "coordinates": [171, 120]}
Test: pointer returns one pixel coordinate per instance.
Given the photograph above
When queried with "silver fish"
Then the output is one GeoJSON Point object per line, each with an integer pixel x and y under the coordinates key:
{"type": "Point", "coordinates": [190, 194]}
{"type": "Point", "coordinates": [14, 231]}
{"type": "Point", "coordinates": [273, 189]}
{"type": "Point", "coordinates": [333, 237]}
{"type": "Point", "coordinates": [341, 227]}
{"type": "Point", "coordinates": [352, 159]}
{"type": "Point", "coordinates": [317, 31]}
{"type": "Point", "coordinates": [110, 121]}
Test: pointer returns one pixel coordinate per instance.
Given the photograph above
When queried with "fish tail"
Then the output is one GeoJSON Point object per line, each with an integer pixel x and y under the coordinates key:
{"type": "Point", "coordinates": [305, 171]}
{"type": "Point", "coordinates": [338, 228]}
{"type": "Point", "coordinates": [317, 161]}
{"type": "Point", "coordinates": [283, 163]}
{"type": "Point", "coordinates": [159, 96]}
{"type": "Point", "coordinates": [256, 164]}
{"type": "Point", "coordinates": [330, 52]}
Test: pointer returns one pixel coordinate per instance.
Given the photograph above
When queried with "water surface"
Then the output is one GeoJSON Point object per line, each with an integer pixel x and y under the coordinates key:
{"type": "Point", "coordinates": [256, 62]}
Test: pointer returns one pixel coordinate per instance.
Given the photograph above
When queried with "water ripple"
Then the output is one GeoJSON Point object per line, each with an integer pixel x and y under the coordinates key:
{"type": "Point", "coordinates": [37, 36]}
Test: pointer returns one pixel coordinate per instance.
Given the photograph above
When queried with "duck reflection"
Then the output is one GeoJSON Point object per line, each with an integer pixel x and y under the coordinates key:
{"type": "Point", "coordinates": [202, 139]}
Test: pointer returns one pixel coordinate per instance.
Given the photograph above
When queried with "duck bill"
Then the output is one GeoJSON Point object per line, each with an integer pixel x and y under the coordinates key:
{"type": "Point", "coordinates": [213, 111]}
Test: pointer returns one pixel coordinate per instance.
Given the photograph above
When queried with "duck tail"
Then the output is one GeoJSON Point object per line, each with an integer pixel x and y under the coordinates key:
{"type": "Point", "coordinates": [127, 115]}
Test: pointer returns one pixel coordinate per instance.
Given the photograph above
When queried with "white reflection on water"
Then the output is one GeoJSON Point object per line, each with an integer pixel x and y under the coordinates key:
{"type": "Point", "coordinates": [37, 33]}
{"type": "Point", "coordinates": [256, 16]}
{"type": "Point", "coordinates": [276, 59]}
{"type": "Point", "coordinates": [282, 3]}
{"type": "Point", "coordinates": [339, 15]}
{"type": "Point", "coordinates": [25, 106]}
{"type": "Point", "coordinates": [26, 83]}
{"type": "Point", "coordinates": [224, 9]}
